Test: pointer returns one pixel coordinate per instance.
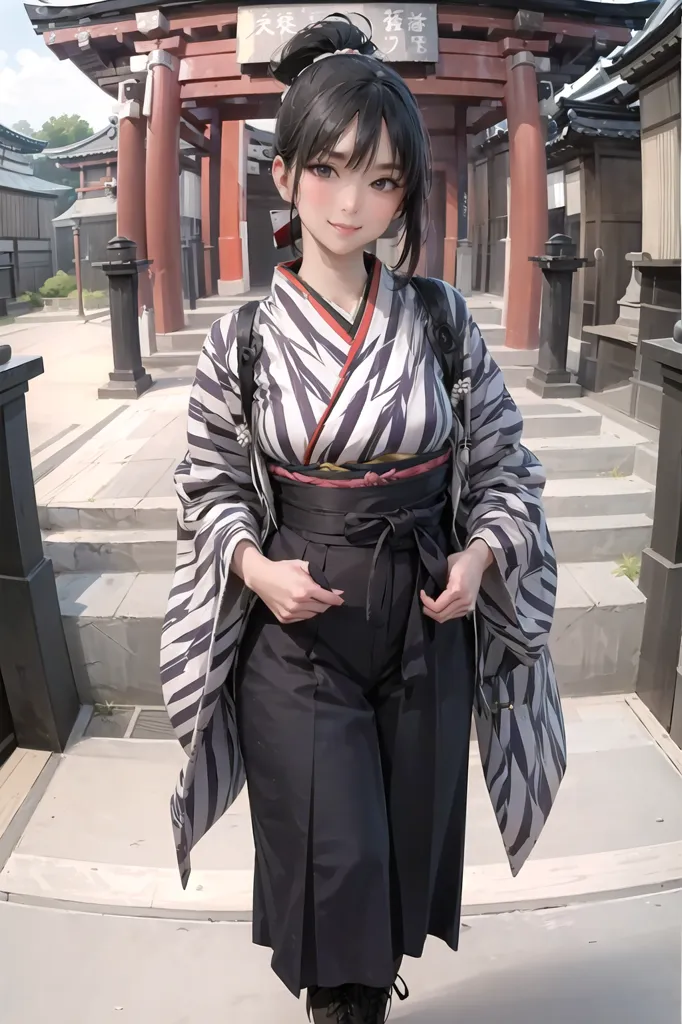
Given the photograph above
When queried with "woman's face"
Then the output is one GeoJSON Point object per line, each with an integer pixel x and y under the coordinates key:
{"type": "Point", "coordinates": [345, 208]}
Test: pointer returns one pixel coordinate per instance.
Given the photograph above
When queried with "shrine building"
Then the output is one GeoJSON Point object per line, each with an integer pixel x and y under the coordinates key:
{"type": "Point", "coordinates": [189, 75]}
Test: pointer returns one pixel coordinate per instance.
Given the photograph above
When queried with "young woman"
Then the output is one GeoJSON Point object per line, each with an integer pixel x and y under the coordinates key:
{"type": "Point", "coordinates": [339, 544]}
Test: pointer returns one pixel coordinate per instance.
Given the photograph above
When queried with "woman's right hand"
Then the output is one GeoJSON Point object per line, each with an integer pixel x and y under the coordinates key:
{"type": "Point", "coordinates": [287, 587]}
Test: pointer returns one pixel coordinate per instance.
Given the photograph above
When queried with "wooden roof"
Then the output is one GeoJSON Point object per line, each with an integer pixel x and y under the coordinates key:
{"type": "Point", "coordinates": [102, 38]}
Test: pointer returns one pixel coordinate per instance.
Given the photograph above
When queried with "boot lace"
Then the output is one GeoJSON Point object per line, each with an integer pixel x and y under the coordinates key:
{"type": "Point", "coordinates": [375, 1003]}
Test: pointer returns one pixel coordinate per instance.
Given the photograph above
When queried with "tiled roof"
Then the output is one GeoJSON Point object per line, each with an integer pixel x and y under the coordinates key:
{"type": "Point", "coordinates": [29, 183]}
{"type": "Point", "coordinates": [9, 139]}
{"type": "Point", "coordinates": [101, 143]}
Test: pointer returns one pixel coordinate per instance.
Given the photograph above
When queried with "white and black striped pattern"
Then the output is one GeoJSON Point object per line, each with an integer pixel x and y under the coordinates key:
{"type": "Point", "coordinates": [392, 401]}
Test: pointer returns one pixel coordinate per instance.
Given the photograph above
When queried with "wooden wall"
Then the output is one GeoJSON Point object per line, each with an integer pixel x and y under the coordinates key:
{"type": "Point", "coordinates": [660, 118]}
{"type": "Point", "coordinates": [488, 219]}
{"type": "Point", "coordinates": [611, 219]}
{"type": "Point", "coordinates": [25, 216]}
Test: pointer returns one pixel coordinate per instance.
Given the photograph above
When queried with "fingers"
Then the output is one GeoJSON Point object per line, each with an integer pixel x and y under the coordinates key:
{"type": "Point", "coordinates": [449, 606]}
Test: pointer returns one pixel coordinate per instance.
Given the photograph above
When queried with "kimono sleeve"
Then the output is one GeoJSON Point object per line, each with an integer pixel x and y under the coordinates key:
{"type": "Point", "coordinates": [502, 505]}
{"type": "Point", "coordinates": [219, 504]}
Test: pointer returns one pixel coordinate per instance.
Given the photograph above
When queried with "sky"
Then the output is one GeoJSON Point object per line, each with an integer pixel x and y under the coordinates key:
{"type": "Point", "coordinates": [34, 85]}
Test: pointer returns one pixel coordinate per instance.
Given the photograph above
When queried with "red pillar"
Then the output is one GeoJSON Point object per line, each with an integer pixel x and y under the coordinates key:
{"type": "Point", "coordinates": [528, 202]}
{"type": "Point", "coordinates": [163, 190]}
{"type": "Point", "coordinates": [210, 206]}
{"type": "Point", "coordinates": [450, 240]}
{"type": "Point", "coordinates": [130, 180]}
{"type": "Point", "coordinates": [229, 242]}
{"type": "Point", "coordinates": [130, 183]}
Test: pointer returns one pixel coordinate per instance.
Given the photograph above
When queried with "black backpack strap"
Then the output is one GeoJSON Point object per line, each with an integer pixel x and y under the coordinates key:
{"type": "Point", "coordinates": [444, 334]}
{"type": "Point", "coordinates": [249, 345]}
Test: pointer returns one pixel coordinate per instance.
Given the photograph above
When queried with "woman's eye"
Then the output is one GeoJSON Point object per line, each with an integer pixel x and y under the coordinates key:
{"type": "Point", "coordinates": [384, 184]}
{"type": "Point", "coordinates": [321, 170]}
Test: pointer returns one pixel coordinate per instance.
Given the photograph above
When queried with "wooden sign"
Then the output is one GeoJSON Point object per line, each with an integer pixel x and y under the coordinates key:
{"type": "Point", "coordinates": [402, 32]}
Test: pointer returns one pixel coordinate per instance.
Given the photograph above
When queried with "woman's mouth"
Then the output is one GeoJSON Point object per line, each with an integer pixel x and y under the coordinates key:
{"type": "Point", "coordinates": [344, 229]}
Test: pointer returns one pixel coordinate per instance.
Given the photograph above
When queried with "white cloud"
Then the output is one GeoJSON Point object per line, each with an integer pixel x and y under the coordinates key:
{"type": "Point", "coordinates": [36, 86]}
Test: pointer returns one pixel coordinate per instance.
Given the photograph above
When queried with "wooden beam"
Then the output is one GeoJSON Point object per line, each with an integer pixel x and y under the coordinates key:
{"type": "Point", "coordinates": [456, 87]}
{"type": "Point", "coordinates": [461, 66]}
{"type": "Point", "coordinates": [176, 44]}
{"type": "Point", "coordinates": [211, 66]}
{"type": "Point", "coordinates": [127, 26]}
{"type": "Point", "coordinates": [457, 20]}
{"type": "Point", "coordinates": [196, 139]}
{"type": "Point", "coordinates": [190, 117]}
{"type": "Point", "coordinates": [208, 46]}
{"type": "Point", "coordinates": [491, 117]}
{"type": "Point", "coordinates": [581, 31]}
{"type": "Point", "coordinates": [509, 44]}
{"type": "Point", "coordinates": [233, 87]}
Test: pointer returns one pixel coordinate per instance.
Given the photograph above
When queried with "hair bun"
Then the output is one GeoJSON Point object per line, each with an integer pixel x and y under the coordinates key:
{"type": "Point", "coordinates": [335, 32]}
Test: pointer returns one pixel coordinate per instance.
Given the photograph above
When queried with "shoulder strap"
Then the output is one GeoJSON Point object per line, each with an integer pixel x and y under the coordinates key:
{"type": "Point", "coordinates": [443, 332]}
{"type": "Point", "coordinates": [249, 346]}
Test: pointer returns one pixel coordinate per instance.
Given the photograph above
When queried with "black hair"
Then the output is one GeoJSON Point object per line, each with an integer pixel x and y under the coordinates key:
{"type": "Point", "coordinates": [326, 96]}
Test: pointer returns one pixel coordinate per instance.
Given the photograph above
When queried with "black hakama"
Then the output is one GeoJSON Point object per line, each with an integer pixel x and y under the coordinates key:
{"type": "Point", "coordinates": [354, 728]}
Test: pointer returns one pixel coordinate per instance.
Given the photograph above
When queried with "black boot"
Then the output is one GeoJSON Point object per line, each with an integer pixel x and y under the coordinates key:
{"type": "Point", "coordinates": [331, 1005]}
{"type": "Point", "coordinates": [373, 1005]}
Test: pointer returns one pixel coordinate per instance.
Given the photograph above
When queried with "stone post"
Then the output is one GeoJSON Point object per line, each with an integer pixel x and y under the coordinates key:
{"type": "Point", "coordinates": [34, 660]}
{"type": "Point", "coordinates": [659, 683]}
{"type": "Point", "coordinates": [129, 378]}
{"type": "Point", "coordinates": [550, 377]}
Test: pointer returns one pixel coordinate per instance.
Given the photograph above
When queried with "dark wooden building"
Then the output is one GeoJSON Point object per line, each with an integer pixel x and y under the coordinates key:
{"type": "Point", "coordinates": [615, 360]}
{"type": "Point", "coordinates": [27, 206]}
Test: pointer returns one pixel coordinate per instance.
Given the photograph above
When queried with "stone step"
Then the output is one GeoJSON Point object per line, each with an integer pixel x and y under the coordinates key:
{"type": "Point", "coordinates": [574, 456]}
{"type": "Point", "coordinates": [206, 316]}
{"type": "Point", "coordinates": [111, 551]}
{"type": "Point", "coordinates": [556, 420]}
{"type": "Point", "coordinates": [160, 513]}
{"type": "Point", "coordinates": [172, 360]}
{"type": "Point", "coordinates": [226, 302]}
{"type": "Point", "coordinates": [597, 538]}
{"type": "Point", "coordinates": [576, 539]}
{"type": "Point", "coordinates": [113, 624]}
{"type": "Point", "coordinates": [583, 496]}
{"type": "Point", "coordinates": [483, 312]}
{"type": "Point", "coordinates": [505, 357]}
{"type": "Point", "coordinates": [189, 339]}
{"type": "Point", "coordinates": [598, 496]}
{"type": "Point", "coordinates": [646, 462]}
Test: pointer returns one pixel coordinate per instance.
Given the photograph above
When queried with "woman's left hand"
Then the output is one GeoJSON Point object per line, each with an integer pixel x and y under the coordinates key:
{"type": "Point", "coordinates": [465, 572]}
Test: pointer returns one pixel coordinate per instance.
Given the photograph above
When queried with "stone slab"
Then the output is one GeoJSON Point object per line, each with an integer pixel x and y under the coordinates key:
{"type": "Point", "coordinates": [597, 496]}
{"type": "Point", "coordinates": [615, 963]}
{"type": "Point", "coordinates": [598, 538]}
{"type": "Point", "coordinates": [126, 551]}
{"type": "Point", "coordinates": [100, 834]}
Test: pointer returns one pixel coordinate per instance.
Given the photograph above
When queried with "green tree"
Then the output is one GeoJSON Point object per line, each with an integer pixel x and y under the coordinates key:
{"type": "Point", "coordinates": [63, 130]}
{"type": "Point", "coordinates": [23, 127]}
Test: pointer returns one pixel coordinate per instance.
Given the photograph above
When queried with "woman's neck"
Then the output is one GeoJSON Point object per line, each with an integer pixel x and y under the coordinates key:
{"type": "Point", "coordinates": [340, 280]}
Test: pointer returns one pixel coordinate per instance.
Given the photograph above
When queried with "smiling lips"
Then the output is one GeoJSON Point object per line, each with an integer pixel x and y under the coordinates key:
{"type": "Point", "coordinates": [344, 229]}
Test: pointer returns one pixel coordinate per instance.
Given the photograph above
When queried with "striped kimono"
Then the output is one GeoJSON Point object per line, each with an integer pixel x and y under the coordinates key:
{"type": "Point", "coordinates": [322, 397]}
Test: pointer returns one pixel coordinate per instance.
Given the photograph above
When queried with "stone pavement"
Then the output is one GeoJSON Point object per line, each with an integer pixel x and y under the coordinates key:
{"type": "Point", "coordinates": [604, 963]}
{"type": "Point", "coordinates": [99, 837]}
{"type": "Point", "coordinates": [63, 410]}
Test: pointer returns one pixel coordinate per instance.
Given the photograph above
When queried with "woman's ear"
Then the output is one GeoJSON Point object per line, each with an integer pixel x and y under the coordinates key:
{"type": "Point", "coordinates": [282, 178]}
